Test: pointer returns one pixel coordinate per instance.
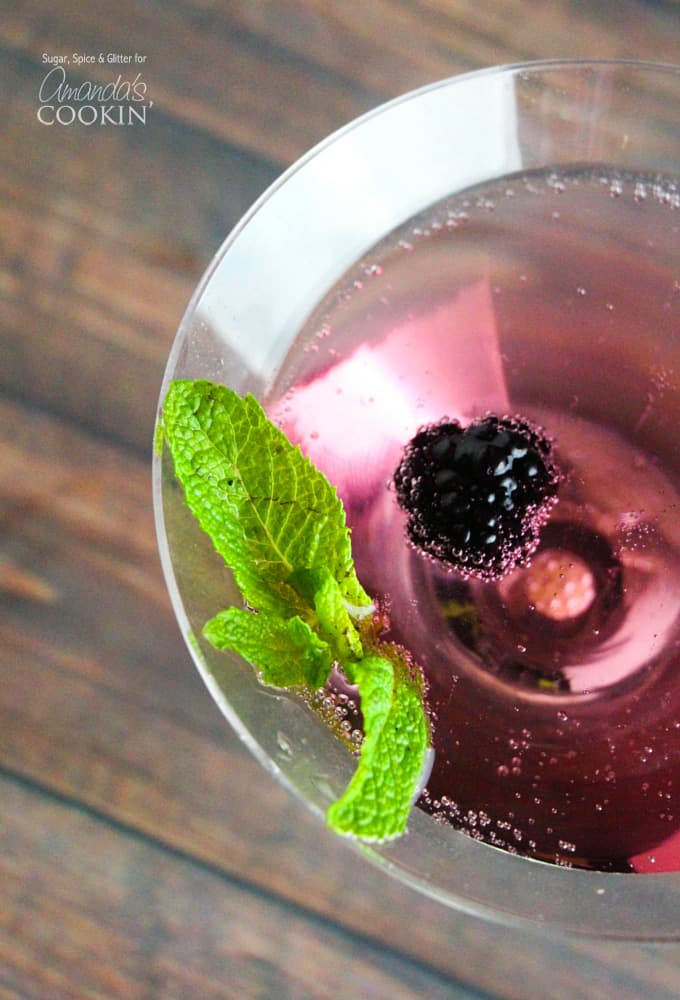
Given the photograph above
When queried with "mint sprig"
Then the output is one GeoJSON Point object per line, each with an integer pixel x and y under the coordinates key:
{"type": "Point", "coordinates": [280, 527]}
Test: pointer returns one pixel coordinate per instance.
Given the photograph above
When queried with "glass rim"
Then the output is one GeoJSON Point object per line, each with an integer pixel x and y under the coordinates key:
{"type": "Point", "coordinates": [410, 95]}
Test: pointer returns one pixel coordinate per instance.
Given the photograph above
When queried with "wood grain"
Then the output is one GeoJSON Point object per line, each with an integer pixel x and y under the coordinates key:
{"type": "Point", "coordinates": [141, 922]}
{"type": "Point", "coordinates": [100, 262]}
{"type": "Point", "coordinates": [143, 852]}
{"type": "Point", "coordinates": [98, 265]}
{"type": "Point", "coordinates": [243, 70]}
{"type": "Point", "coordinates": [202, 69]}
{"type": "Point", "coordinates": [96, 712]}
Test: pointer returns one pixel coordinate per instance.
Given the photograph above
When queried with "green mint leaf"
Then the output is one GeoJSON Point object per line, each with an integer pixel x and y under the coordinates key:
{"type": "Point", "coordinates": [268, 511]}
{"type": "Point", "coordinates": [334, 621]}
{"type": "Point", "coordinates": [377, 801]}
{"type": "Point", "coordinates": [287, 653]}
{"type": "Point", "coordinates": [280, 527]}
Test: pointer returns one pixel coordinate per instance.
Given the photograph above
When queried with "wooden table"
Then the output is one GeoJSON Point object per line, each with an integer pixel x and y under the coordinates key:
{"type": "Point", "coordinates": [143, 853]}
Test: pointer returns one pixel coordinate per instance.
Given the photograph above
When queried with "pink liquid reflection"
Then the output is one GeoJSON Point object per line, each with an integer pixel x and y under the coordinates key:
{"type": "Point", "coordinates": [355, 417]}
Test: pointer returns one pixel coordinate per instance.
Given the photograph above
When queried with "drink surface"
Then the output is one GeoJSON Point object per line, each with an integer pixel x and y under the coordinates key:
{"type": "Point", "coordinates": [554, 691]}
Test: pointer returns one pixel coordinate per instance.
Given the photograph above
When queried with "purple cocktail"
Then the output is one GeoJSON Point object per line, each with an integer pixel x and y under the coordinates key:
{"type": "Point", "coordinates": [495, 251]}
{"type": "Point", "coordinates": [554, 689]}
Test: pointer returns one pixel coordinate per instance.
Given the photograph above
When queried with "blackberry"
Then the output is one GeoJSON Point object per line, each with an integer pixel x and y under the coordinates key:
{"type": "Point", "coordinates": [476, 497]}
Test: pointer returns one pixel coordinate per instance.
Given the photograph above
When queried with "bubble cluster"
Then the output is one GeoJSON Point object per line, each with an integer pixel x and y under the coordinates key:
{"type": "Point", "coordinates": [340, 712]}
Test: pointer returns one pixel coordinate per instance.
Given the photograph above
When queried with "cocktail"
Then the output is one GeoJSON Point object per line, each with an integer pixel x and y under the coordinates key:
{"type": "Point", "coordinates": [486, 269]}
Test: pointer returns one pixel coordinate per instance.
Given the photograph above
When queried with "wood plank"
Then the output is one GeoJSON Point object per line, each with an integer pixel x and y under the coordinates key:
{"type": "Point", "coordinates": [276, 76]}
{"type": "Point", "coordinates": [104, 251]}
{"type": "Point", "coordinates": [104, 235]}
{"type": "Point", "coordinates": [396, 45]}
{"type": "Point", "coordinates": [100, 704]}
{"type": "Point", "coordinates": [200, 68]}
{"type": "Point", "coordinates": [99, 263]}
{"type": "Point", "coordinates": [103, 913]}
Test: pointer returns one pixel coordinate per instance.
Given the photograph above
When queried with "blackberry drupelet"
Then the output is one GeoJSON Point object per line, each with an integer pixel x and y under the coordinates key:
{"type": "Point", "coordinates": [477, 496]}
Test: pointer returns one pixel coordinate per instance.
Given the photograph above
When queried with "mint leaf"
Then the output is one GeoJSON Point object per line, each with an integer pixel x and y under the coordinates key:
{"type": "Point", "coordinates": [378, 799]}
{"type": "Point", "coordinates": [287, 653]}
{"type": "Point", "coordinates": [334, 620]}
{"type": "Point", "coordinates": [268, 511]}
{"type": "Point", "coordinates": [280, 527]}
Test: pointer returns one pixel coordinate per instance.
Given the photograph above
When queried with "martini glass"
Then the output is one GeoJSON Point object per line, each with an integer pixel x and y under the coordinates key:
{"type": "Point", "coordinates": [417, 173]}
